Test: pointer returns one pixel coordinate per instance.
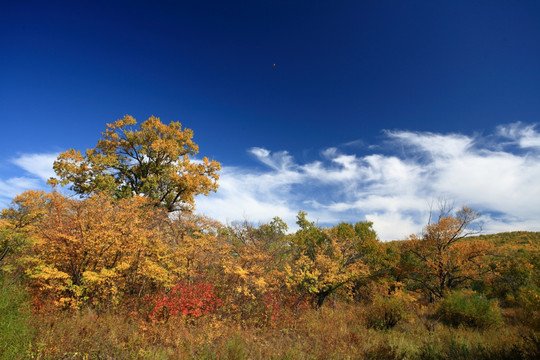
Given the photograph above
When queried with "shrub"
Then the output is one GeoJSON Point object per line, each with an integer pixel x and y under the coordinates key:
{"type": "Point", "coordinates": [189, 300]}
{"type": "Point", "coordinates": [386, 312]}
{"type": "Point", "coordinates": [528, 300]}
{"type": "Point", "coordinates": [470, 309]}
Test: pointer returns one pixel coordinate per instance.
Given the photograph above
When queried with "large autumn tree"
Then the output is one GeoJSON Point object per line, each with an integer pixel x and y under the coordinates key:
{"type": "Point", "coordinates": [153, 160]}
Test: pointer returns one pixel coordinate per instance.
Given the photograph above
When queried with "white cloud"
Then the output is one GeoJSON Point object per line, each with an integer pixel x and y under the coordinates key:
{"type": "Point", "coordinates": [393, 191]}
{"type": "Point", "coordinates": [40, 165]}
{"type": "Point", "coordinates": [437, 145]}
{"type": "Point", "coordinates": [524, 135]}
{"type": "Point", "coordinates": [394, 225]}
{"type": "Point", "coordinates": [250, 195]}
{"type": "Point", "coordinates": [38, 168]}
{"type": "Point", "coordinates": [13, 186]}
{"type": "Point", "coordinates": [279, 161]}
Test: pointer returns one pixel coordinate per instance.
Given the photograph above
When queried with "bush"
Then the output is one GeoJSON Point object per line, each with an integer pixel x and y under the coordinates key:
{"type": "Point", "coordinates": [386, 312]}
{"type": "Point", "coordinates": [189, 300]}
{"type": "Point", "coordinates": [470, 309]}
{"type": "Point", "coordinates": [528, 301]}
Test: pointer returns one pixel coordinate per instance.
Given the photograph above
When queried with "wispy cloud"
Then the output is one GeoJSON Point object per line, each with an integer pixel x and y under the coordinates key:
{"type": "Point", "coordinates": [13, 186]}
{"type": "Point", "coordinates": [278, 161]}
{"type": "Point", "coordinates": [393, 191]}
{"type": "Point", "coordinates": [40, 165]}
{"type": "Point", "coordinates": [525, 136]}
{"type": "Point", "coordinates": [37, 170]}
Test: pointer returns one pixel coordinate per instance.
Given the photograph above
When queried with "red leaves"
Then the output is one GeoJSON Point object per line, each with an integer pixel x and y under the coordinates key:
{"type": "Point", "coordinates": [188, 300]}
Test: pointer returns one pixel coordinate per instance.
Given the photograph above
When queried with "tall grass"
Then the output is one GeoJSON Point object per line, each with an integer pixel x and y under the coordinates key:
{"type": "Point", "coordinates": [340, 333]}
{"type": "Point", "coordinates": [16, 331]}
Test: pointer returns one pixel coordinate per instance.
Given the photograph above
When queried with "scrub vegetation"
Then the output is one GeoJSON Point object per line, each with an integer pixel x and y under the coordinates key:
{"type": "Point", "coordinates": [128, 271]}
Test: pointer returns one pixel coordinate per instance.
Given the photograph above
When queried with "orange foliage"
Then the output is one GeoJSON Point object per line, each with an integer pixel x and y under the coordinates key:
{"type": "Point", "coordinates": [444, 261]}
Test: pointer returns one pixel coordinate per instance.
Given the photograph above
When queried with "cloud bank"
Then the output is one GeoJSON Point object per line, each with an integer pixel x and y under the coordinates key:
{"type": "Point", "coordinates": [496, 174]}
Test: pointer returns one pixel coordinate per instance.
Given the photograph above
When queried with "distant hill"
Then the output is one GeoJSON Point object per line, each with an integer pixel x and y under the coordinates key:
{"type": "Point", "coordinates": [522, 240]}
{"type": "Point", "coordinates": [511, 241]}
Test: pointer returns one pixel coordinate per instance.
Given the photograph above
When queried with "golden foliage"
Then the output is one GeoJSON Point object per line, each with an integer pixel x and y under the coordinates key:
{"type": "Point", "coordinates": [153, 161]}
{"type": "Point", "coordinates": [17, 225]}
{"type": "Point", "coordinates": [194, 248]}
{"type": "Point", "coordinates": [94, 251]}
{"type": "Point", "coordinates": [326, 259]}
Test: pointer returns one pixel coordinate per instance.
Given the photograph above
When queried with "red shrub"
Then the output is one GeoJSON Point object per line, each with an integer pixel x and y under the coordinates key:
{"type": "Point", "coordinates": [278, 310]}
{"type": "Point", "coordinates": [189, 300]}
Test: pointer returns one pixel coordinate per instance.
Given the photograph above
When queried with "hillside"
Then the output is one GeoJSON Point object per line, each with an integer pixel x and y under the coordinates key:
{"type": "Point", "coordinates": [523, 239]}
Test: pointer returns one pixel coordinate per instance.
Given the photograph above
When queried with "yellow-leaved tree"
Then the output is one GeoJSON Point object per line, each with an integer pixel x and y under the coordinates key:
{"type": "Point", "coordinates": [325, 260]}
{"type": "Point", "coordinates": [94, 251]}
{"type": "Point", "coordinates": [252, 269]}
{"type": "Point", "coordinates": [153, 161]}
{"type": "Point", "coordinates": [17, 225]}
{"type": "Point", "coordinates": [195, 251]}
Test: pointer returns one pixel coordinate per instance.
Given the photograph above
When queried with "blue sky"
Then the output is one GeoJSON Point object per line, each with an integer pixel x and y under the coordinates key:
{"type": "Point", "coordinates": [373, 110]}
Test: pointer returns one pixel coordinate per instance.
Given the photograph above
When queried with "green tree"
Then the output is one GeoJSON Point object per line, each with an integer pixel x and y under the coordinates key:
{"type": "Point", "coordinates": [326, 259]}
{"type": "Point", "coordinates": [153, 161]}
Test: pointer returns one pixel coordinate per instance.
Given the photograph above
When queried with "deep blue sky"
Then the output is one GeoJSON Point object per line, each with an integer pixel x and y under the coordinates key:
{"type": "Point", "coordinates": [345, 71]}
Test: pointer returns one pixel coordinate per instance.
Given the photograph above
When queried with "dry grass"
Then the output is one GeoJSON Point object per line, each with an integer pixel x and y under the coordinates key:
{"type": "Point", "coordinates": [326, 334]}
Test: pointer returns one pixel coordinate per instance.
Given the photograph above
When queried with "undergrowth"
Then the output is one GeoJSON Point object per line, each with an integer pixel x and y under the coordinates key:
{"type": "Point", "coordinates": [324, 334]}
{"type": "Point", "coordinates": [15, 328]}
